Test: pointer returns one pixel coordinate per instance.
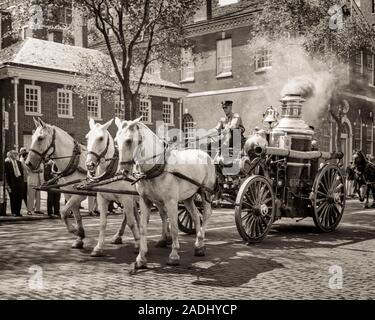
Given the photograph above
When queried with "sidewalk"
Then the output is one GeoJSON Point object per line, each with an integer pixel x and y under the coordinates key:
{"type": "Point", "coordinates": [43, 208]}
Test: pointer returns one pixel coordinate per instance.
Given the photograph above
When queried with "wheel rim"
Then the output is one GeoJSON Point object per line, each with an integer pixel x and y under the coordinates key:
{"type": "Point", "coordinates": [255, 209]}
{"type": "Point", "coordinates": [185, 222]}
{"type": "Point", "coordinates": [329, 198]}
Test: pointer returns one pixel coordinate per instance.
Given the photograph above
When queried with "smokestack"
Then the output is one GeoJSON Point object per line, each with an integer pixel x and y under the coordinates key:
{"type": "Point", "coordinates": [80, 29]}
{"type": "Point", "coordinates": [291, 125]}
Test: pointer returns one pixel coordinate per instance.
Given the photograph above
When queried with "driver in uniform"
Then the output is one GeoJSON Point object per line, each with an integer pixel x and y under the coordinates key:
{"type": "Point", "coordinates": [226, 126]}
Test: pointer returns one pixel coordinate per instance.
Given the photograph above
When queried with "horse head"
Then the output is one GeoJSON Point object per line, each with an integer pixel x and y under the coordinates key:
{"type": "Point", "coordinates": [98, 140]}
{"type": "Point", "coordinates": [128, 138]}
{"type": "Point", "coordinates": [359, 161]}
{"type": "Point", "coordinates": [42, 144]}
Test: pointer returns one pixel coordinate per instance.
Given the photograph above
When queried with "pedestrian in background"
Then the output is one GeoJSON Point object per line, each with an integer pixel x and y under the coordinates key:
{"type": "Point", "coordinates": [53, 198]}
{"type": "Point", "coordinates": [14, 178]}
{"type": "Point", "coordinates": [22, 158]}
{"type": "Point", "coordinates": [350, 174]}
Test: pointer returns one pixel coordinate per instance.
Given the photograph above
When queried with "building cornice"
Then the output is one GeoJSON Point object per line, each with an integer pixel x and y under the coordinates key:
{"type": "Point", "coordinates": [67, 79]}
{"type": "Point", "coordinates": [220, 24]}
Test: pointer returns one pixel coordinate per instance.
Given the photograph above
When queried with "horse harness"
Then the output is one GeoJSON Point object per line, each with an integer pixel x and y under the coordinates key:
{"type": "Point", "coordinates": [73, 164]}
{"type": "Point", "coordinates": [159, 169]}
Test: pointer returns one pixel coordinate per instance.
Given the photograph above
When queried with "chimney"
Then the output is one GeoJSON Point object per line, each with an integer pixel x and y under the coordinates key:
{"type": "Point", "coordinates": [292, 125]}
{"type": "Point", "coordinates": [80, 29]}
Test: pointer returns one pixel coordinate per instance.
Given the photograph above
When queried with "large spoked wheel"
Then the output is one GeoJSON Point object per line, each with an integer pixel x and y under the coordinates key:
{"type": "Point", "coordinates": [185, 222]}
{"type": "Point", "coordinates": [255, 209]}
{"type": "Point", "coordinates": [328, 199]}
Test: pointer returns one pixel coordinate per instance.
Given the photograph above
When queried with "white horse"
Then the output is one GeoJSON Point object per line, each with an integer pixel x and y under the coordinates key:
{"type": "Point", "coordinates": [101, 163]}
{"type": "Point", "coordinates": [165, 178]}
{"type": "Point", "coordinates": [52, 142]}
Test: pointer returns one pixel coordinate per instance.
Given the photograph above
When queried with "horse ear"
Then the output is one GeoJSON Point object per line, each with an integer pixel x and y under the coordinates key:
{"type": "Point", "coordinates": [107, 125]}
{"type": "Point", "coordinates": [118, 122]}
{"type": "Point", "coordinates": [36, 122]}
{"type": "Point", "coordinates": [92, 123]}
{"type": "Point", "coordinates": [137, 120]}
{"type": "Point", "coordinates": [43, 124]}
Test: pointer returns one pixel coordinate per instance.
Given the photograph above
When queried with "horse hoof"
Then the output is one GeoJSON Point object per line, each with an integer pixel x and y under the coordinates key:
{"type": "Point", "coordinates": [200, 252]}
{"type": "Point", "coordinates": [78, 244]}
{"type": "Point", "coordinates": [97, 253]}
{"type": "Point", "coordinates": [135, 267]}
{"type": "Point", "coordinates": [173, 262]}
{"type": "Point", "coordinates": [161, 243]}
{"type": "Point", "coordinates": [117, 240]}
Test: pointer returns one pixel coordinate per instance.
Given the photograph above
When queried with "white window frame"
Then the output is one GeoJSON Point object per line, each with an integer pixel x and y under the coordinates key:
{"type": "Point", "coordinates": [224, 58]}
{"type": "Point", "coordinates": [70, 105]}
{"type": "Point", "coordinates": [149, 115]}
{"type": "Point", "coordinates": [99, 117]}
{"type": "Point", "coordinates": [39, 102]}
{"type": "Point", "coordinates": [187, 66]}
{"type": "Point", "coordinates": [369, 55]}
{"type": "Point", "coordinates": [154, 69]}
{"type": "Point", "coordinates": [119, 104]}
{"type": "Point", "coordinates": [171, 114]}
{"type": "Point", "coordinates": [370, 137]}
{"type": "Point", "coordinates": [223, 3]}
{"type": "Point", "coordinates": [267, 64]}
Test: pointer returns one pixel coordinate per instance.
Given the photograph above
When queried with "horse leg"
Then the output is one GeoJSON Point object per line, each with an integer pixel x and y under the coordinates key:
{"type": "Point", "coordinates": [141, 261]}
{"type": "Point", "coordinates": [207, 211]}
{"type": "Point", "coordinates": [172, 209]}
{"type": "Point", "coordinates": [117, 238]}
{"type": "Point", "coordinates": [103, 208]}
{"type": "Point", "coordinates": [73, 205]}
{"type": "Point", "coordinates": [165, 238]}
{"type": "Point", "coordinates": [130, 213]}
{"type": "Point", "coordinates": [199, 242]}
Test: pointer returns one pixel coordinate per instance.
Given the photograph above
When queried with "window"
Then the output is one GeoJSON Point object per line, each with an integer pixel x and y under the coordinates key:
{"type": "Point", "coordinates": [145, 110]}
{"type": "Point", "coordinates": [263, 59]}
{"type": "Point", "coordinates": [369, 137]}
{"type": "Point", "coordinates": [188, 130]}
{"type": "Point", "coordinates": [64, 103]}
{"type": "Point", "coordinates": [153, 68]}
{"type": "Point", "coordinates": [373, 6]}
{"type": "Point", "coordinates": [168, 112]}
{"type": "Point", "coordinates": [187, 65]}
{"type": "Point", "coordinates": [94, 106]}
{"type": "Point", "coordinates": [358, 134]}
{"type": "Point", "coordinates": [32, 100]}
{"type": "Point", "coordinates": [224, 57]}
{"type": "Point", "coordinates": [358, 59]}
{"type": "Point", "coordinates": [369, 61]}
{"type": "Point", "coordinates": [223, 3]}
{"type": "Point", "coordinates": [325, 136]}
{"type": "Point", "coordinates": [120, 108]}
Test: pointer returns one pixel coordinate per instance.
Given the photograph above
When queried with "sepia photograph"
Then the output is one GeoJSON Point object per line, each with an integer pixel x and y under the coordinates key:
{"type": "Point", "coordinates": [187, 155]}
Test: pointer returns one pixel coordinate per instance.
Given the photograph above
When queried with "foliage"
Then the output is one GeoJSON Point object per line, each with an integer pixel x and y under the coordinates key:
{"type": "Point", "coordinates": [133, 33]}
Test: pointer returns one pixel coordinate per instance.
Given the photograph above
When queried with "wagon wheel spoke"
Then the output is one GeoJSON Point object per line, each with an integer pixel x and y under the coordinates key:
{"type": "Point", "coordinates": [329, 198]}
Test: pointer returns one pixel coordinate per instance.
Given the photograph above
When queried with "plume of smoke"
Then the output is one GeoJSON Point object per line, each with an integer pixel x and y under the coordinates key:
{"type": "Point", "coordinates": [295, 72]}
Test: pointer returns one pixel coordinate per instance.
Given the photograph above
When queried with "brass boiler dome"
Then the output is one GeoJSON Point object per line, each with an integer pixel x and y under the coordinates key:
{"type": "Point", "coordinates": [292, 131]}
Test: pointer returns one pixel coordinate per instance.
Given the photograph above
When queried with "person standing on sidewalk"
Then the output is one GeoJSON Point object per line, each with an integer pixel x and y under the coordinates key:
{"type": "Point", "coordinates": [22, 159]}
{"type": "Point", "coordinates": [14, 178]}
{"type": "Point", "coordinates": [350, 174]}
{"type": "Point", "coordinates": [53, 198]}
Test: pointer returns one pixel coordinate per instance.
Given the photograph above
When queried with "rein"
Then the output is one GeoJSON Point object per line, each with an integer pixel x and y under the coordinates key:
{"type": "Point", "coordinates": [111, 169]}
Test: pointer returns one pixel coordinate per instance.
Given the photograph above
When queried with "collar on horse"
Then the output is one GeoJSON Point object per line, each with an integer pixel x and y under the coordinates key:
{"type": "Point", "coordinates": [111, 169]}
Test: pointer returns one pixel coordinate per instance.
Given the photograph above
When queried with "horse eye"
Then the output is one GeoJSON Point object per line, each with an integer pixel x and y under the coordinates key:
{"type": "Point", "coordinates": [40, 138]}
{"type": "Point", "coordinates": [101, 139]}
{"type": "Point", "coordinates": [128, 141]}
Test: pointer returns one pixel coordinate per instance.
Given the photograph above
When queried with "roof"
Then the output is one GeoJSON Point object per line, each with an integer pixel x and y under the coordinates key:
{"type": "Point", "coordinates": [36, 53]}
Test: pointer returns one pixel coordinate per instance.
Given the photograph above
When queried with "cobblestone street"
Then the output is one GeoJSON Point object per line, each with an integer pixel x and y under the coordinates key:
{"type": "Point", "coordinates": [291, 263]}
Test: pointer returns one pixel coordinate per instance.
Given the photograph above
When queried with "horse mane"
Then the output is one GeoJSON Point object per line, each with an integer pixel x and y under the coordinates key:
{"type": "Point", "coordinates": [83, 147]}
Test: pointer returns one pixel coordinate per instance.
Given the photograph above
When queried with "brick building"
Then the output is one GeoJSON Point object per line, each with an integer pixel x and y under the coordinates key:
{"type": "Point", "coordinates": [224, 68]}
